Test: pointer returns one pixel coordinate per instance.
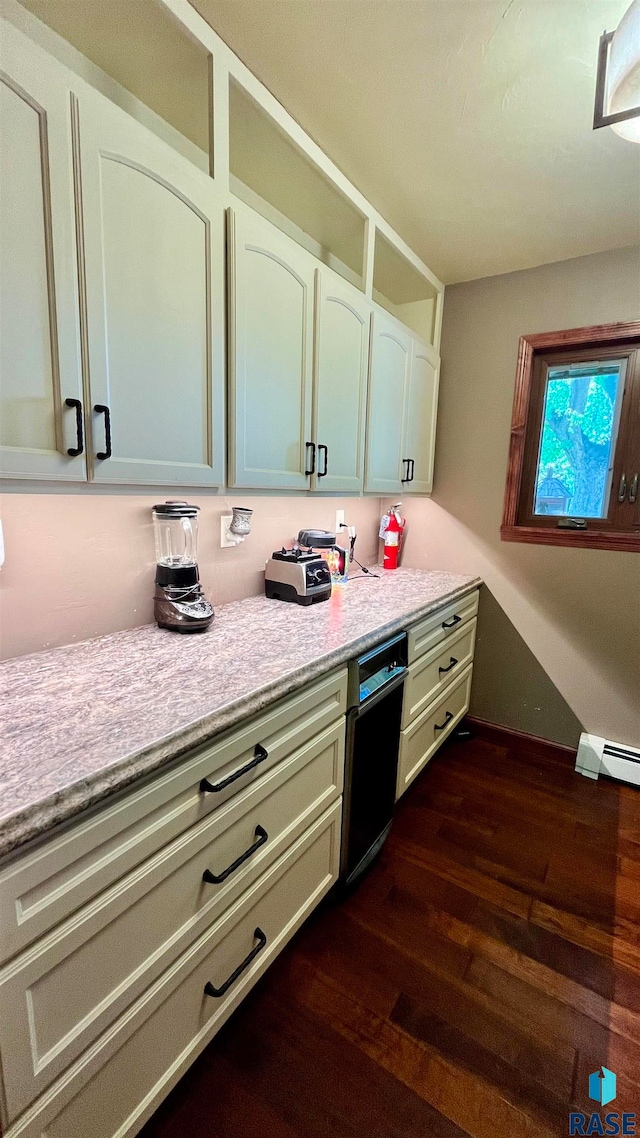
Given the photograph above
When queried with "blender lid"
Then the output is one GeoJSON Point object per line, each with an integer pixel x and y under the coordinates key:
{"type": "Point", "coordinates": [317, 538]}
{"type": "Point", "coordinates": [174, 509]}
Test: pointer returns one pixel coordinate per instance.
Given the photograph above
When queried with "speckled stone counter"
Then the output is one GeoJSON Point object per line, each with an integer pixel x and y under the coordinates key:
{"type": "Point", "coordinates": [80, 723]}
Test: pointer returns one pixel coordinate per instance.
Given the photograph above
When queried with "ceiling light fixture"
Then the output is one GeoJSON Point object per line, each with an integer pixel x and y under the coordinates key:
{"type": "Point", "coordinates": [618, 80]}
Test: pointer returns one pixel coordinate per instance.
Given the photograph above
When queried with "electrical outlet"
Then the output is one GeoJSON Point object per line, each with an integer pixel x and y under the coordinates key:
{"type": "Point", "coordinates": [225, 522]}
{"type": "Point", "coordinates": [339, 520]}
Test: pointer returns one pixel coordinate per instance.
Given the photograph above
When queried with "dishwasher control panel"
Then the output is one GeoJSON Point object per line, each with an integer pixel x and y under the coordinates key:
{"type": "Point", "coordinates": [378, 680]}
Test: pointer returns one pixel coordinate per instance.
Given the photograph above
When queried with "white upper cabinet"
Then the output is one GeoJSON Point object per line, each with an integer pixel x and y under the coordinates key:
{"type": "Point", "coordinates": [391, 350]}
{"type": "Point", "coordinates": [343, 317]}
{"type": "Point", "coordinates": [421, 406]}
{"type": "Point", "coordinates": [271, 283]}
{"type": "Point", "coordinates": [403, 403]}
{"type": "Point", "coordinates": [116, 318]}
{"type": "Point", "coordinates": [154, 266]}
{"type": "Point", "coordinates": [39, 339]}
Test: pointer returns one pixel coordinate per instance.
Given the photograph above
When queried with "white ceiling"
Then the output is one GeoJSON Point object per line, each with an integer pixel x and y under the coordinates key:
{"type": "Point", "coordinates": [467, 123]}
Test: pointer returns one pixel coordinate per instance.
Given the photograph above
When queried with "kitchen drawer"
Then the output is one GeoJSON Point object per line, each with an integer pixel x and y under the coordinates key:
{"type": "Point", "coordinates": [41, 888]}
{"type": "Point", "coordinates": [420, 741]}
{"type": "Point", "coordinates": [117, 1084]}
{"type": "Point", "coordinates": [439, 625]}
{"type": "Point", "coordinates": [62, 993]}
{"type": "Point", "coordinates": [430, 674]}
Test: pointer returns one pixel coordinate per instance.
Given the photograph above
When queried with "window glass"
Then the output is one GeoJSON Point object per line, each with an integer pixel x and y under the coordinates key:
{"type": "Point", "coordinates": [577, 441]}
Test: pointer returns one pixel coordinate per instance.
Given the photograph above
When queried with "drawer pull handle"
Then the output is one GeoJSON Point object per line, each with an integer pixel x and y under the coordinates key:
{"type": "Point", "coordinates": [447, 719]}
{"type": "Point", "coordinates": [259, 755]}
{"type": "Point", "coordinates": [449, 666]}
{"type": "Point", "coordinates": [262, 940]}
{"type": "Point", "coordinates": [452, 623]}
{"type": "Point", "coordinates": [217, 878]}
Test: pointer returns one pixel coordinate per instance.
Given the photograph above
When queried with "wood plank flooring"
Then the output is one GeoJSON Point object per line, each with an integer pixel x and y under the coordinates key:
{"type": "Point", "coordinates": [486, 965]}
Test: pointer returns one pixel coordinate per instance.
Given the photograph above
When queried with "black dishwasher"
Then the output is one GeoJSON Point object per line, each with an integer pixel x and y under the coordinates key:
{"type": "Point", "coordinates": [373, 738]}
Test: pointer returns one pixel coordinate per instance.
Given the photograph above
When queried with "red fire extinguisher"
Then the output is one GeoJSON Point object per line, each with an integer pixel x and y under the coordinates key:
{"type": "Point", "coordinates": [392, 542]}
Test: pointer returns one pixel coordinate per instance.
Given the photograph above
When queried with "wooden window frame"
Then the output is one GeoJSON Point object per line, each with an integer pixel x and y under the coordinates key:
{"type": "Point", "coordinates": [517, 520]}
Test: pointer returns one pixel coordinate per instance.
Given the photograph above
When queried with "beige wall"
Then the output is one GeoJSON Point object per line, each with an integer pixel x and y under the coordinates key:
{"type": "Point", "coordinates": [577, 612]}
{"type": "Point", "coordinates": [80, 564]}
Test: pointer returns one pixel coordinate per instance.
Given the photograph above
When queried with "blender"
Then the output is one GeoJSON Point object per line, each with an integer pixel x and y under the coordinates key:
{"type": "Point", "coordinates": [179, 603]}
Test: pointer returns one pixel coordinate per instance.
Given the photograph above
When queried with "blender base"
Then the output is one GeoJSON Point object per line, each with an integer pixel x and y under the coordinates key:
{"type": "Point", "coordinates": [180, 610]}
{"type": "Point", "coordinates": [184, 628]}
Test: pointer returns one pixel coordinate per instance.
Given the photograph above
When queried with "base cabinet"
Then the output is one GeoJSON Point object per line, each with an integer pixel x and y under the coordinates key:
{"type": "Point", "coordinates": [437, 690]}
{"type": "Point", "coordinates": [101, 1016]}
{"type": "Point", "coordinates": [117, 1085]}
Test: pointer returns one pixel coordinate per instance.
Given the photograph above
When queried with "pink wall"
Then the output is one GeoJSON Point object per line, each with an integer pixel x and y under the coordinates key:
{"type": "Point", "coordinates": [576, 610]}
{"type": "Point", "coordinates": [81, 564]}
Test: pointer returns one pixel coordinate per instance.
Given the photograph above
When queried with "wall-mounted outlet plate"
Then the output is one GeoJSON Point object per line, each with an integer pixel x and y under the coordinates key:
{"type": "Point", "coordinates": [225, 522]}
{"type": "Point", "coordinates": [339, 520]}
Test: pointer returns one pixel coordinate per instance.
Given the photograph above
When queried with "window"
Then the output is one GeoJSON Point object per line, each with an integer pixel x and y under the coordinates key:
{"type": "Point", "coordinates": [574, 459]}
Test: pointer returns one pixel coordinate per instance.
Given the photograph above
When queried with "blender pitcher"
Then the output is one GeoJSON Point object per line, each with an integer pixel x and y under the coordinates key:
{"type": "Point", "coordinates": [179, 602]}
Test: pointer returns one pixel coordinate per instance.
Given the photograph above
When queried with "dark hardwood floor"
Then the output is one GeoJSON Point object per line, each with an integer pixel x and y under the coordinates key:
{"type": "Point", "coordinates": [488, 963]}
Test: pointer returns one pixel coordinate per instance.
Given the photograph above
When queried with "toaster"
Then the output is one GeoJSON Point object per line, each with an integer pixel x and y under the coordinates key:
{"type": "Point", "coordinates": [300, 576]}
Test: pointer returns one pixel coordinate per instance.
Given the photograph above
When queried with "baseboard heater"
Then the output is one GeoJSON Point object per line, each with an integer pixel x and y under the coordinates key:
{"type": "Point", "coordinates": [598, 756]}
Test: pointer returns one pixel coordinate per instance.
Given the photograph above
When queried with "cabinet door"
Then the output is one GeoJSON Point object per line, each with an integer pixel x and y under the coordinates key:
{"type": "Point", "coordinates": [154, 263]}
{"type": "Point", "coordinates": [340, 389]}
{"type": "Point", "coordinates": [270, 356]}
{"type": "Point", "coordinates": [390, 366]}
{"type": "Point", "coordinates": [39, 339]}
{"type": "Point", "coordinates": [420, 418]}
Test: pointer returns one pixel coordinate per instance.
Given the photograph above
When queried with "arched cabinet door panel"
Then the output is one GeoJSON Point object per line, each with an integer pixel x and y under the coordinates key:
{"type": "Point", "coordinates": [39, 334]}
{"type": "Point", "coordinates": [270, 356]}
{"type": "Point", "coordinates": [343, 317]}
{"type": "Point", "coordinates": [154, 268]}
{"type": "Point", "coordinates": [420, 421]}
{"type": "Point", "coordinates": [391, 349]}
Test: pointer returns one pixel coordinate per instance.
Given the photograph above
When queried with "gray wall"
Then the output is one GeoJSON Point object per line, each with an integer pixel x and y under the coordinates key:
{"type": "Point", "coordinates": [559, 643]}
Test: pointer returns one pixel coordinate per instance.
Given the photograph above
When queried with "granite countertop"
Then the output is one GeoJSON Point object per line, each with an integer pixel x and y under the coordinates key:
{"type": "Point", "coordinates": [81, 722]}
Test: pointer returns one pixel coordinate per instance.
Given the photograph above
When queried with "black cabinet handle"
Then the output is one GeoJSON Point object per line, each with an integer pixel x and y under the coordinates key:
{"type": "Point", "coordinates": [447, 719]}
{"type": "Point", "coordinates": [217, 878]}
{"type": "Point", "coordinates": [322, 447]}
{"type": "Point", "coordinates": [79, 447]}
{"type": "Point", "coordinates": [449, 666]}
{"type": "Point", "coordinates": [452, 623]}
{"type": "Point", "coordinates": [259, 755]}
{"type": "Point", "coordinates": [313, 458]}
{"type": "Point", "coordinates": [413, 467]}
{"type": "Point", "coordinates": [405, 473]}
{"type": "Point", "coordinates": [102, 409]}
{"type": "Point", "coordinates": [262, 940]}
